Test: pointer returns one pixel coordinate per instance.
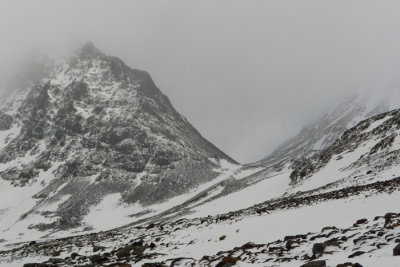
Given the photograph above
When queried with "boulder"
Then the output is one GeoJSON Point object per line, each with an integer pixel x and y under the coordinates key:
{"type": "Point", "coordinates": [315, 264]}
{"type": "Point", "coordinates": [396, 250]}
{"type": "Point", "coordinates": [356, 254]}
{"type": "Point", "coordinates": [318, 248]}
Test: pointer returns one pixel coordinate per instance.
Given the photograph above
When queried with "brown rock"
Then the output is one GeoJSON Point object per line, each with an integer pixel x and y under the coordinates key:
{"type": "Point", "coordinates": [361, 221]}
{"type": "Point", "coordinates": [356, 254]}
{"type": "Point", "coordinates": [314, 264]}
{"type": "Point", "coordinates": [318, 248]}
{"type": "Point", "coordinates": [231, 260]}
{"type": "Point", "coordinates": [396, 250]}
{"type": "Point", "coordinates": [96, 259]}
{"type": "Point", "coordinates": [346, 264]}
{"type": "Point", "coordinates": [98, 248]}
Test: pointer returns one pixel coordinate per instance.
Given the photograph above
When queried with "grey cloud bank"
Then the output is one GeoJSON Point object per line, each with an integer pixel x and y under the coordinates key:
{"type": "Point", "coordinates": [247, 74]}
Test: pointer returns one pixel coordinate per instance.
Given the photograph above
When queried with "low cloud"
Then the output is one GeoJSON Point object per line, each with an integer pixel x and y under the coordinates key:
{"type": "Point", "coordinates": [247, 74]}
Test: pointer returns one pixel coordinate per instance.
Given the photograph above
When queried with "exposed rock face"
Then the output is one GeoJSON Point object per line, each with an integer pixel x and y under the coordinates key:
{"type": "Point", "coordinates": [93, 126]}
{"type": "Point", "coordinates": [315, 264]}
{"type": "Point", "coordinates": [380, 130]}
{"type": "Point", "coordinates": [322, 133]}
{"type": "Point", "coordinates": [6, 121]}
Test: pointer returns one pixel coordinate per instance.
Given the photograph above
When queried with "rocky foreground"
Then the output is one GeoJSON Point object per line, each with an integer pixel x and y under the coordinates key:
{"type": "Point", "coordinates": [152, 244]}
{"type": "Point", "coordinates": [363, 237]}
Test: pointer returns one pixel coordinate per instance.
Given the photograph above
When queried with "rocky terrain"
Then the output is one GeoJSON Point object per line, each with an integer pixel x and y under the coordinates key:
{"type": "Point", "coordinates": [89, 128]}
{"type": "Point", "coordinates": [324, 131]}
{"type": "Point", "coordinates": [98, 169]}
{"type": "Point", "coordinates": [155, 244]}
{"type": "Point", "coordinates": [374, 141]}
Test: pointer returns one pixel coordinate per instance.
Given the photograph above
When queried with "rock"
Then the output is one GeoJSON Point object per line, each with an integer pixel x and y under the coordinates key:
{"type": "Point", "coordinates": [74, 255]}
{"type": "Point", "coordinates": [356, 254]}
{"type": "Point", "coordinates": [32, 243]}
{"type": "Point", "coordinates": [150, 226]}
{"type": "Point", "coordinates": [223, 264]}
{"type": "Point", "coordinates": [39, 265]}
{"type": "Point", "coordinates": [315, 264]}
{"type": "Point", "coordinates": [318, 248]}
{"type": "Point", "coordinates": [96, 259]}
{"type": "Point", "coordinates": [120, 264]}
{"type": "Point", "coordinates": [357, 265]}
{"type": "Point", "coordinates": [98, 248]}
{"type": "Point", "coordinates": [289, 237]}
{"type": "Point", "coordinates": [396, 250]}
{"type": "Point", "coordinates": [222, 237]}
{"type": "Point", "coordinates": [346, 264]}
{"type": "Point", "coordinates": [124, 252]}
{"type": "Point", "coordinates": [56, 260]}
{"type": "Point", "coordinates": [332, 243]}
{"type": "Point", "coordinates": [138, 243]}
{"type": "Point", "coordinates": [328, 228]}
{"type": "Point", "coordinates": [231, 260]}
{"type": "Point", "coordinates": [360, 221]}
{"type": "Point", "coordinates": [250, 245]}
{"type": "Point", "coordinates": [205, 258]}
{"type": "Point", "coordinates": [153, 264]}
{"type": "Point", "coordinates": [289, 244]}
{"type": "Point", "coordinates": [6, 121]}
{"type": "Point", "coordinates": [56, 253]}
{"type": "Point", "coordinates": [390, 215]}
{"type": "Point", "coordinates": [136, 248]}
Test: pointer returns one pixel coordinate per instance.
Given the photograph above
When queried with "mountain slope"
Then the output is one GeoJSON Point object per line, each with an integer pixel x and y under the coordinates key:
{"type": "Point", "coordinates": [273, 214]}
{"type": "Point", "coordinates": [328, 128]}
{"type": "Point", "coordinates": [90, 129]}
{"type": "Point", "coordinates": [366, 153]}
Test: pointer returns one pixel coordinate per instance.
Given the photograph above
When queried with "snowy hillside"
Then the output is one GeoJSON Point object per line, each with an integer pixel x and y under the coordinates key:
{"type": "Point", "coordinates": [88, 134]}
{"type": "Point", "coordinates": [337, 206]}
{"type": "Point", "coordinates": [328, 128]}
{"type": "Point", "coordinates": [97, 167]}
{"type": "Point", "coordinates": [286, 232]}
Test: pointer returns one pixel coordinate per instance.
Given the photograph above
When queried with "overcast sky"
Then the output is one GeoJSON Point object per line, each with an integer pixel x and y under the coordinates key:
{"type": "Point", "coordinates": [247, 74]}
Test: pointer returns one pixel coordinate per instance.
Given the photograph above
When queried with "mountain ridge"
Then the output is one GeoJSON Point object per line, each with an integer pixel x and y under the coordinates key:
{"type": "Point", "coordinates": [94, 127]}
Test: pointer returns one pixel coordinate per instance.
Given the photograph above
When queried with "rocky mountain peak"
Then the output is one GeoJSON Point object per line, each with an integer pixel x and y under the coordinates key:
{"type": "Point", "coordinates": [90, 50]}
{"type": "Point", "coordinates": [93, 127]}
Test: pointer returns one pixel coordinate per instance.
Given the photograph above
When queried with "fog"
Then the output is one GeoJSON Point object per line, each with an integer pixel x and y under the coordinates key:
{"type": "Point", "coordinates": [247, 74]}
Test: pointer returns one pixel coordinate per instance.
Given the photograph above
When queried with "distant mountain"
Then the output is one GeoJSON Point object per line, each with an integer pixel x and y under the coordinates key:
{"type": "Point", "coordinates": [367, 152]}
{"type": "Point", "coordinates": [89, 128]}
{"type": "Point", "coordinates": [328, 128]}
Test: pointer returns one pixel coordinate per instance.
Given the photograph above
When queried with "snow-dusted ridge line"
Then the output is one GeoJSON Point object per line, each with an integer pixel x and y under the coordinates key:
{"type": "Point", "coordinates": [323, 132]}
{"type": "Point", "coordinates": [114, 133]}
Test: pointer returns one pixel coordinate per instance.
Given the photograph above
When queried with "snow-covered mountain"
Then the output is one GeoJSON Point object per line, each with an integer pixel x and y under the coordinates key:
{"type": "Point", "coordinates": [328, 128]}
{"type": "Point", "coordinates": [339, 208]}
{"type": "Point", "coordinates": [96, 154]}
{"type": "Point", "coordinates": [90, 129]}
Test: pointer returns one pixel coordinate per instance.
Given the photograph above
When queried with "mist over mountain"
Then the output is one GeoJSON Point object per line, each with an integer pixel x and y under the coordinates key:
{"type": "Point", "coordinates": [213, 133]}
{"type": "Point", "coordinates": [263, 70]}
{"type": "Point", "coordinates": [324, 131]}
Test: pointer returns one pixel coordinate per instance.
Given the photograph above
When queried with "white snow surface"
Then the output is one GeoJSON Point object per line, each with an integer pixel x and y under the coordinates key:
{"type": "Point", "coordinates": [274, 226]}
{"type": "Point", "coordinates": [112, 204]}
